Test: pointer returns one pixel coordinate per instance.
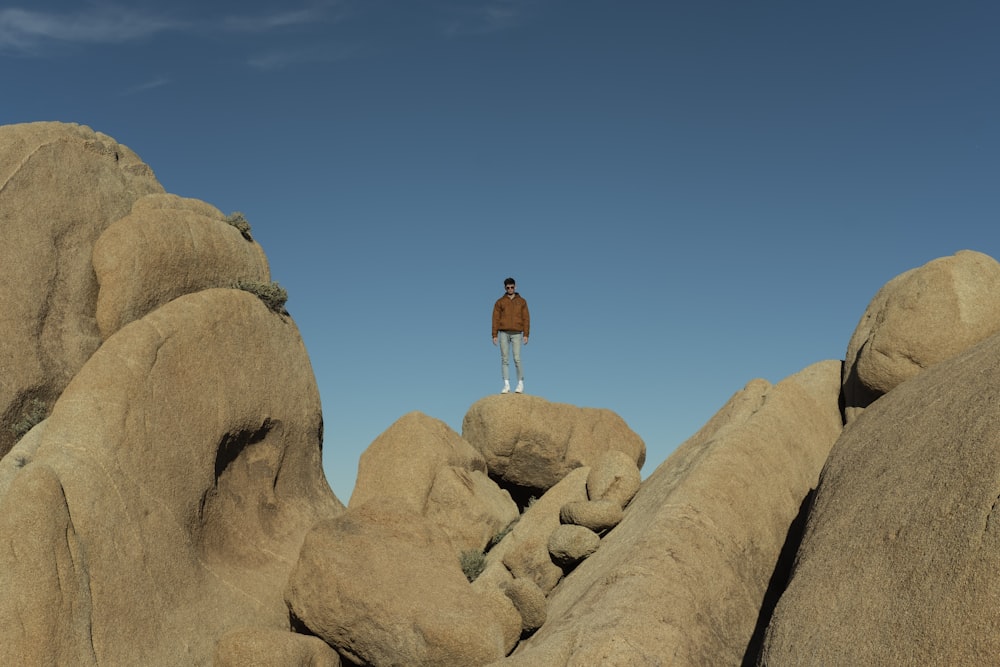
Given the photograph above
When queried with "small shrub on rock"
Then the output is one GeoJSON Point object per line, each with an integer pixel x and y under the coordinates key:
{"type": "Point", "coordinates": [473, 563]}
{"type": "Point", "coordinates": [272, 294]}
{"type": "Point", "coordinates": [239, 221]}
{"type": "Point", "coordinates": [34, 413]}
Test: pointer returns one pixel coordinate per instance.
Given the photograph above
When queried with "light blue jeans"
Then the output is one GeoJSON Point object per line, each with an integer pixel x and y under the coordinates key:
{"type": "Point", "coordinates": [507, 340]}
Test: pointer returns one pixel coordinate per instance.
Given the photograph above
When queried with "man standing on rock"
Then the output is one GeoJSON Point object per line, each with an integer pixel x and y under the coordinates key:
{"type": "Point", "coordinates": [511, 323]}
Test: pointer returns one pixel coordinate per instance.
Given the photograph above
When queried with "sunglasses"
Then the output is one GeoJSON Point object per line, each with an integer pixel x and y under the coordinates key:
{"type": "Point", "coordinates": [509, 286]}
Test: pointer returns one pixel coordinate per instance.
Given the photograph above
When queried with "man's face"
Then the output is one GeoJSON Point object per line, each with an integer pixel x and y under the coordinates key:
{"type": "Point", "coordinates": [510, 289]}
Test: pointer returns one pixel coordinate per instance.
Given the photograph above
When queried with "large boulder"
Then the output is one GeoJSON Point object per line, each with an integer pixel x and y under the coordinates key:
{"type": "Point", "coordinates": [158, 510]}
{"type": "Point", "coordinates": [61, 185]}
{"type": "Point", "coordinates": [920, 318]}
{"type": "Point", "coordinates": [899, 561]}
{"type": "Point", "coordinates": [384, 587]}
{"type": "Point", "coordinates": [531, 443]}
{"type": "Point", "coordinates": [168, 246]}
{"type": "Point", "coordinates": [682, 579]}
{"type": "Point", "coordinates": [420, 465]}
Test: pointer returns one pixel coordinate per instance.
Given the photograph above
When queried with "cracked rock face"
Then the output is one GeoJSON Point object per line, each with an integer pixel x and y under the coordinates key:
{"type": "Point", "coordinates": [61, 186]}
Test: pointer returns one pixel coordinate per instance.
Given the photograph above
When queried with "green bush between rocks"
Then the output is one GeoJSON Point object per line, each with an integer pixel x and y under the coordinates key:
{"type": "Point", "coordinates": [272, 294]}
{"type": "Point", "coordinates": [473, 563]}
{"type": "Point", "coordinates": [34, 412]}
{"type": "Point", "coordinates": [239, 221]}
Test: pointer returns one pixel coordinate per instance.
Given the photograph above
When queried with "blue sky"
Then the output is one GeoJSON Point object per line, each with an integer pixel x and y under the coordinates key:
{"type": "Point", "coordinates": [690, 194]}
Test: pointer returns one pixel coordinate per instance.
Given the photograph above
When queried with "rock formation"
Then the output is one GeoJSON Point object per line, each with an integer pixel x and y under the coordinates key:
{"type": "Point", "coordinates": [919, 318]}
{"type": "Point", "coordinates": [421, 465]}
{"type": "Point", "coordinates": [61, 186]}
{"type": "Point", "coordinates": [902, 547]}
{"type": "Point", "coordinates": [162, 499]}
{"type": "Point", "coordinates": [165, 235]}
{"type": "Point", "coordinates": [532, 443]}
{"type": "Point", "coordinates": [685, 573]}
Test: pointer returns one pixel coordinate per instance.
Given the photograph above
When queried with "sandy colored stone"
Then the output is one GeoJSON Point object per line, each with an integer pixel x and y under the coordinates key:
{"type": "Point", "coordinates": [419, 464]}
{"type": "Point", "coordinates": [265, 647]}
{"type": "Point", "coordinates": [899, 561]}
{"type": "Point", "coordinates": [19, 456]}
{"type": "Point", "coordinates": [524, 551]}
{"type": "Point", "coordinates": [529, 600]}
{"type": "Point", "coordinates": [61, 185]}
{"type": "Point", "coordinates": [161, 510]}
{"type": "Point", "coordinates": [682, 579]}
{"type": "Point", "coordinates": [920, 318]}
{"type": "Point", "coordinates": [166, 247]}
{"type": "Point", "coordinates": [385, 587]}
{"type": "Point", "coordinates": [597, 515]}
{"type": "Point", "coordinates": [532, 443]}
{"type": "Point", "coordinates": [614, 477]}
{"type": "Point", "coordinates": [570, 544]}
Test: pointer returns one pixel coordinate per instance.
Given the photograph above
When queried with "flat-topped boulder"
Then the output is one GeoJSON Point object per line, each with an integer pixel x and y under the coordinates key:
{"type": "Point", "coordinates": [532, 443]}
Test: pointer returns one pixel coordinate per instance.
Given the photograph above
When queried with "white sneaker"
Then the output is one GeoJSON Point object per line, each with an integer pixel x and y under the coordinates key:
{"type": "Point", "coordinates": [506, 387]}
{"type": "Point", "coordinates": [520, 387]}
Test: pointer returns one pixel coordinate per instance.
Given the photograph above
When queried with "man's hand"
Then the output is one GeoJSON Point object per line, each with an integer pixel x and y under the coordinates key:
{"type": "Point", "coordinates": [494, 340]}
{"type": "Point", "coordinates": [525, 340]}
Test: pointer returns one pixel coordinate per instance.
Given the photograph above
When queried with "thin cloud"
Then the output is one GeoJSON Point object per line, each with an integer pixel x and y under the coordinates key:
{"type": "Point", "coordinates": [143, 87]}
{"type": "Point", "coordinates": [280, 59]}
{"type": "Point", "coordinates": [483, 19]}
{"type": "Point", "coordinates": [273, 21]}
{"type": "Point", "coordinates": [25, 30]}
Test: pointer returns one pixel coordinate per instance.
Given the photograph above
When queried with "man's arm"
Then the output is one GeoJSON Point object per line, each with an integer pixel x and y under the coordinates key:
{"type": "Point", "coordinates": [527, 322]}
{"type": "Point", "coordinates": [496, 321]}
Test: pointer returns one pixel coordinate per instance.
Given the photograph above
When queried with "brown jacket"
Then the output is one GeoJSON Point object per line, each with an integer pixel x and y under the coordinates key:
{"type": "Point", "coordinates": [511, 315]}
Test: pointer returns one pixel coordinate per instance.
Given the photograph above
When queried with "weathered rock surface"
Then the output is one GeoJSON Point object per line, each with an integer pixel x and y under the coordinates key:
{"type": "Point", "coordinates": [530, 442]}
{"type": "Point", "coordinates": [162, 474]}
{"type": "Point", "coordinates": [419, 464]}
{"type": "Point", "coordinates": [529, 600]}
{"type": "Point", "coordinates": [614, 477]}
{"type": "Point", "coordinates": [264, 647]}
{"type": "Point", "coordinates": [682, 579]}
{"type": "Point", "coordinates": [524, 551]}
{"type": "Point", "coordinates": [158, 510]}
{"type": "Point", "coordinates": [569, 544]}
{"type": "Point", "coordinates": [597, 515]}
{"type": "Point", "coordinates": [920, 318]}
{"type": "Point", "coordinates": [899, 561]}
{"type": "Point", "coordinates": [385, 588]}
{"type": "Point", "coordinates": [61, 185]}
{"type": "Point", "coordinates": [166, 247]}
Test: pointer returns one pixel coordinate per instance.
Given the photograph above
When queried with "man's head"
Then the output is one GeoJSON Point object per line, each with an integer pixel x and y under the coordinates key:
{"type": "Point", "coordinates": [509, 285]}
